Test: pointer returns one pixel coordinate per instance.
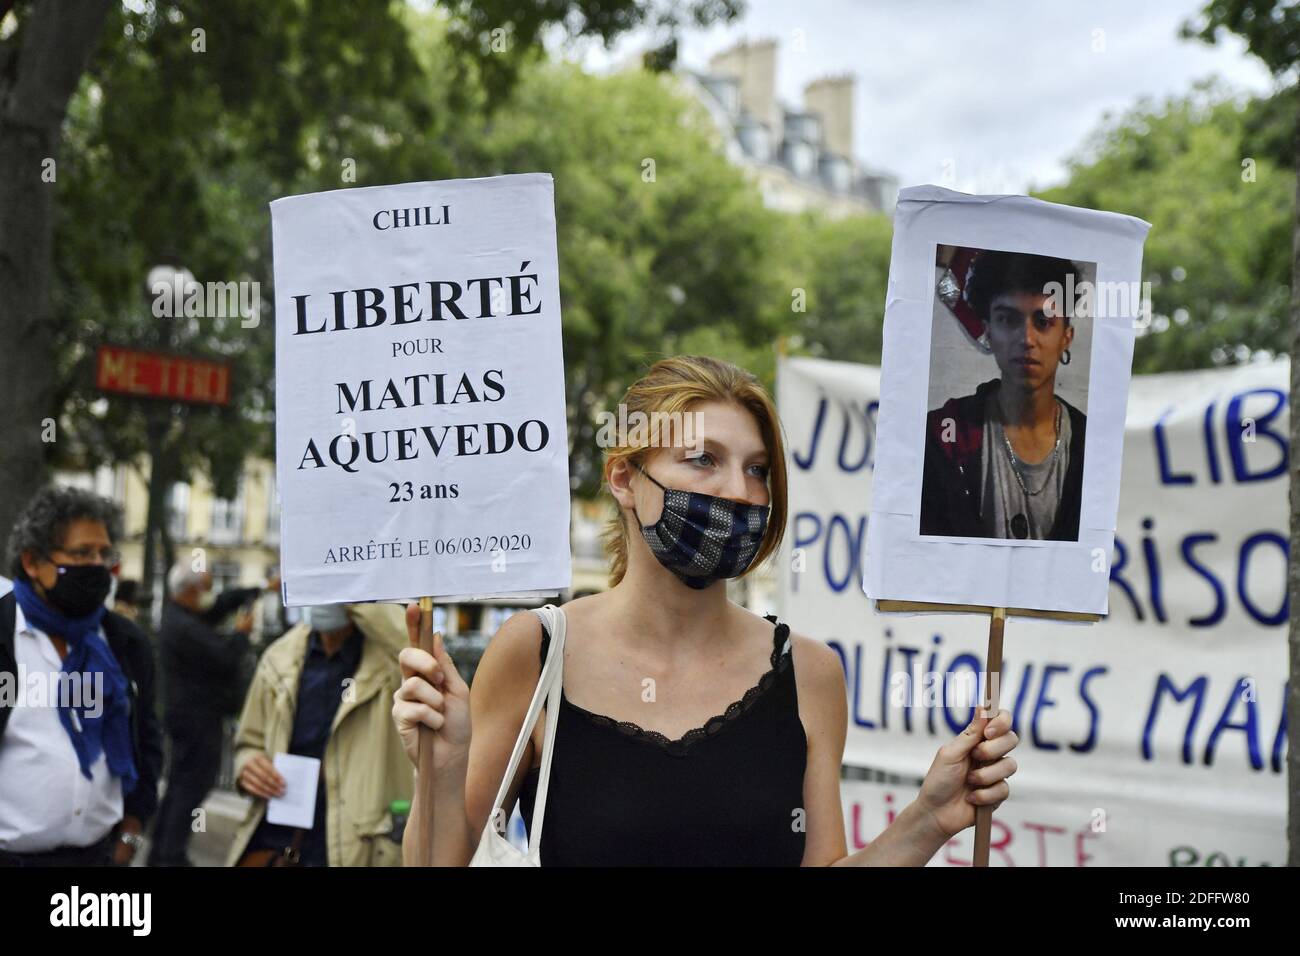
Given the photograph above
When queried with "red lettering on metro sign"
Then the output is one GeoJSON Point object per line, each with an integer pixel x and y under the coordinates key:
{"type": "Point", "coordinates": [161, 375]}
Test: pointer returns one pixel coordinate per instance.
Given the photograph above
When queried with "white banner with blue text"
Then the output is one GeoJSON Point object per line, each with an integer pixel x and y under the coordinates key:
{"type": "Point", "coordinates": [1155, 737]}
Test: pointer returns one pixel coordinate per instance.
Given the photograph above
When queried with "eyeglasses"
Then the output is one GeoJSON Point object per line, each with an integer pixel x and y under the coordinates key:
{"type": "Point", "coordinates": [91, 554]}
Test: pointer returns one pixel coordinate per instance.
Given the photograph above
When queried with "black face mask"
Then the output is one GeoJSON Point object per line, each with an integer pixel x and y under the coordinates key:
{"type": "Point", "coordinates": [703, 538]}
{"type": "Point", "coordinates": [79, 588]}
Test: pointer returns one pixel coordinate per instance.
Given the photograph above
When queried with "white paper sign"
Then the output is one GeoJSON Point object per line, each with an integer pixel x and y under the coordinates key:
{"type": "Point", "coordinates": [976, 361]}
{"type": "Point", "coordinates": [297, 808]}
{"type": "Point", "coordinates": [420, 423]}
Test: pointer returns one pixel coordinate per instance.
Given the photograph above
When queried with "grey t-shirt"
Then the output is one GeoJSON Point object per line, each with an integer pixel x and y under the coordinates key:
{"type": "Point", "coordinates": [1004, 500]}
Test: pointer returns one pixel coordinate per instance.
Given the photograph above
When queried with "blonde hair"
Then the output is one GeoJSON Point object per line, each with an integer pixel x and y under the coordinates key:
{"type": "Point", "coordinates": [675, 385]}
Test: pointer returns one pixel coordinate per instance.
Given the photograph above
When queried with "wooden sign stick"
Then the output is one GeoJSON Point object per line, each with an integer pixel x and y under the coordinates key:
{"type": "Point", "coordinates": [992, 686]}
{"type": "Point", "coordinates": [424, 850]}
{"type": "Point", "coordinates": [993, 672]}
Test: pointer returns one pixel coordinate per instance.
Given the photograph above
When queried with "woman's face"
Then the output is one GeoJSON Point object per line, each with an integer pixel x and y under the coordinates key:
{"type": "Point", "coordinates": [1027, 342]}
{"type": "Point", "coordinates": [727, 458]}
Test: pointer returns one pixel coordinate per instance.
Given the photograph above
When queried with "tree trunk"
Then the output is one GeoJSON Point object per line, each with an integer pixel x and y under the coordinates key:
{"type": "Point", "coordinates": [1293, 565]}
{"type": "Point", "coordinates": [39, 72]}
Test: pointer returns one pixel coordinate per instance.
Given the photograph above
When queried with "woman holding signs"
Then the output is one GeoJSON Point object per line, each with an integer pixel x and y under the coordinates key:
{"type": "Point", "coordinates": [691, 731]}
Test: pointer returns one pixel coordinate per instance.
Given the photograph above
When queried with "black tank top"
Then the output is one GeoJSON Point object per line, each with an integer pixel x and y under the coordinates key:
{"type": "Point", "coordinates": [729, 793]}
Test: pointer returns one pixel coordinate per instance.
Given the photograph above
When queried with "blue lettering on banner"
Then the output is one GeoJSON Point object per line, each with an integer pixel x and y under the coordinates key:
{"type": "Point", "coordinates": [1243, 561]}
{"type": "Point", "coordinates": [851, 553]}
{"type": "Point", "coordinates": [1153, 595]}
{"type": "Point", "coordinates": [1211, 452]}
{"type": "Point", "coordinates": [803, 538]}
{"type": "Point", "coordinates": [1233, 427]}
{"type": "Point", "coordinates": [1237, 444]}
{"type": "Point", "coordinates": [852, 419]}
{"type": "Point", "coordinates": [1026, 682]}
{"type": "Point", "coordinates": [1044, 702]}
{"type": "Point", "coordinates": [841, 540]}
{"type": "Point", "coordinates": [868, 437]}
{"type": "Point", "coordinates": [1279, 741]}
{"type": "Point", "coordinates": [1153, 571]}
{"type": "Point", "coordinates": [1220, 601]}
{"type": "Point", "coordinates": [1162, 455]}
{"type": "Point", "coordinates": [1035, 686]}
{"type": "Point", "coordinates": [1116, 566]}
{"type": "Point", "coordinates": [1094, 715]}
{"type": "Point", "coordinates": [907, 653]}
{"type": "Point", "coordinates": [961, 660]}
{"type": "Point", "coordinates": [805, 462]}
{"type": "Point", "coordinates": [1240, 693]}
{"type": "Point", "coordinates": [1185, 701]}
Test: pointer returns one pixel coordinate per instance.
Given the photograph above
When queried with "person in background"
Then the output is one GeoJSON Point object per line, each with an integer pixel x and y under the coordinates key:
{"type": "Point", "coordinates": [123, 599]}
{"type": "Point", "coordinates": [78, 776]}
{"type": "Point", "coordinates": [324, 690]}
{"type": "Point", "coordinates": [202, 685]}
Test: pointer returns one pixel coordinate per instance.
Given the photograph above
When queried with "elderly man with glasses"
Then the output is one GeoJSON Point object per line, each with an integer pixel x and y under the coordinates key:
{"type": "Point", "coordinates": [79, 741]}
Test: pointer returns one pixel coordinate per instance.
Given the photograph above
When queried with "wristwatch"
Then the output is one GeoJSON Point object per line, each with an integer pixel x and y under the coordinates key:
{"type": "Point", "coordinates": [133, 840]}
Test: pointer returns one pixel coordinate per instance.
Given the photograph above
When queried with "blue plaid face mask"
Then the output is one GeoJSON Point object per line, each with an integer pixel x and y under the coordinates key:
{"type": "Point", "coordinates": [702, 538]}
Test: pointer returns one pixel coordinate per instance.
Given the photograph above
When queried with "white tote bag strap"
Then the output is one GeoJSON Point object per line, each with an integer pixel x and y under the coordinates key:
{"type": "Point", "coordinates": [549, 687]}
{"type": "Point", "coordinates": [554, 657]}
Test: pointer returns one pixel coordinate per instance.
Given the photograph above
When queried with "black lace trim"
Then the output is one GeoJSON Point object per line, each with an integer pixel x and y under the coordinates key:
{"type": "Point", "coordinates": [714, 725]}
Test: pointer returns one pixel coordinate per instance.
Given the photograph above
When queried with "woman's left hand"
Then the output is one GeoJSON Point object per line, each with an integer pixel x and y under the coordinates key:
{"type": "Point", "coordinates": [956, 783]}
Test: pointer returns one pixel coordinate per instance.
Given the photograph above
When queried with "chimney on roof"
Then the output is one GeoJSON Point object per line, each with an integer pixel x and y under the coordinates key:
{"type": "Point", "coordinates": [754, 65]}
{"type": "Point", "coordinates": [832, 97]}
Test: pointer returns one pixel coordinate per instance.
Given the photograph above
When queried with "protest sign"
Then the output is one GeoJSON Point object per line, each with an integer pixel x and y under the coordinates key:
{"type": "Point", "coordinates": [1008, 340]}
{"type": "Point", "coordinates": [1003, 498]}
{"type": "Point", "coordinates": [420, 420]}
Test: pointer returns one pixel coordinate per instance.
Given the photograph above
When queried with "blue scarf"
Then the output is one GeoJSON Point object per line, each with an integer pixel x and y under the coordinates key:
{"type": "Point", "coordinates": [109, 732]}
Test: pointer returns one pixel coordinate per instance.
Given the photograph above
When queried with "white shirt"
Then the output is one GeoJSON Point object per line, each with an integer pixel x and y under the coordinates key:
{"type": "Point", "coordinates": [45, 801]}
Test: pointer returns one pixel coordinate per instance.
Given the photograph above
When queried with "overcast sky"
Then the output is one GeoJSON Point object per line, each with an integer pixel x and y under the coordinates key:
{"type": "Point", "coordinates": [998, 92]}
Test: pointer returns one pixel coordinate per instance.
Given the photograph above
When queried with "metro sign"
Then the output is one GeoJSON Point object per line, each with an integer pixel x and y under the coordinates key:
{"type": "Point", "coordinates": [161, 375]}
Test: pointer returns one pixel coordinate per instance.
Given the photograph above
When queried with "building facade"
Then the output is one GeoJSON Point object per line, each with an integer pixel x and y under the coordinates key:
{"type": "Point", "coordinates": [801, 157]}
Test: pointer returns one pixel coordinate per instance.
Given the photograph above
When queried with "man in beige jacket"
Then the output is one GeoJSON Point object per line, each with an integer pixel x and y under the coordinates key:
{"type": "Point", "coordinates": [325, 690]}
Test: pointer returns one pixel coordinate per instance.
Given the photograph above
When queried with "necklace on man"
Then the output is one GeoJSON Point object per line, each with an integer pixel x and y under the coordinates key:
{"type": "Point", "coordinates": [1020, 523]}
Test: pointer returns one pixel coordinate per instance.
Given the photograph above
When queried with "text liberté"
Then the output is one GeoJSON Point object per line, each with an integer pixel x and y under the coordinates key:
{"type": "Point", "coordinates": [492, 298]}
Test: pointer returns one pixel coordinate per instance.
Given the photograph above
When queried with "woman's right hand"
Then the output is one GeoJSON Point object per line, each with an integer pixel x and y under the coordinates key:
{"type": "Point", "coordinates": [433, 695]}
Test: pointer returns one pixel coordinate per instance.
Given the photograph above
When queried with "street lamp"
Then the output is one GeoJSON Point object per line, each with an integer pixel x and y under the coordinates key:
{"type": "Point", "coordinates": [170, 280]}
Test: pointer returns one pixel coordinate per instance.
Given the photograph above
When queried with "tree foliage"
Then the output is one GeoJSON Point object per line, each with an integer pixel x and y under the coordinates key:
{"type": "Point", "coordinates": [194, 114]}
{"type": "Point", "coordinates": [842, 268]}
{"type": "Point", "coordinates": [1218, 254]}
{"type": "Point", "coordinates": [664, 246]}
{"type": "Point", "coordinates": [173, 148]}
{"type": "Point", "coordinates": [1271, 28]}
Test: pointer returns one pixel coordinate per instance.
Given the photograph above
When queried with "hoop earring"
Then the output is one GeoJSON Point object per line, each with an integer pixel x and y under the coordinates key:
{"type": "Point", "coordinates": [1065, 357]}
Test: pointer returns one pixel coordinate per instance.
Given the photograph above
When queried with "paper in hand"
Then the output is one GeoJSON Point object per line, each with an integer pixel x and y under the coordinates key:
{"type": "Point", "coordinates": [297, 808]}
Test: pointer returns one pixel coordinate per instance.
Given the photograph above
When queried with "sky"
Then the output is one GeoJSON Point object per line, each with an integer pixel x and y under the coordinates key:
{"type": "Point", "coordinates": [986, 97]}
